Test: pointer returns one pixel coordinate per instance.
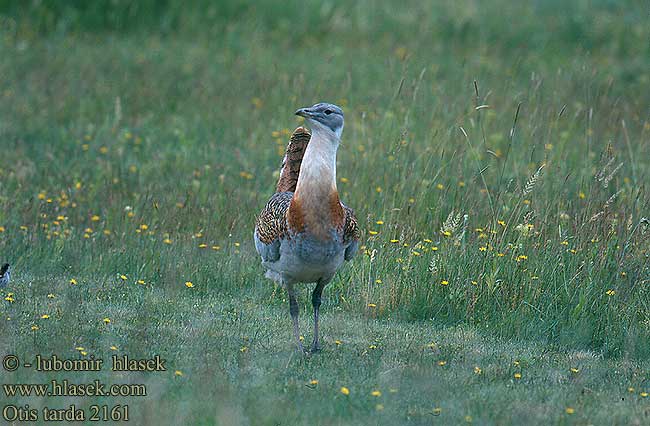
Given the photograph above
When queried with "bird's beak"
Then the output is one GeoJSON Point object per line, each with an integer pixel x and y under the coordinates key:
{"type": "Point", "coordinates": [303, 112]}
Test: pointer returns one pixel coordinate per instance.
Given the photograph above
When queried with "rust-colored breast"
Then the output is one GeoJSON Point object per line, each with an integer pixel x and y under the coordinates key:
{"type": "Point", "coordinates": [295, 216]}
{"type": "Point", "coordinates": [317, 217]}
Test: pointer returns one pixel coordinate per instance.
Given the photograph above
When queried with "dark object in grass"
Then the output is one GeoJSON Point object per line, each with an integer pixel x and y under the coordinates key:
{"type": "Point", "coordinates": [5, 275]}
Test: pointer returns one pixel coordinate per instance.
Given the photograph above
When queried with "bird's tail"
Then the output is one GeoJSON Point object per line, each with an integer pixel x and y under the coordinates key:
{"type": "Point", "coordinates": [292, 160]}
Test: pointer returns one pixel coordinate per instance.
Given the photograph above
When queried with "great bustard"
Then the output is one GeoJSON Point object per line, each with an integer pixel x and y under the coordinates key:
{"type": "Point", "coordinates": [305, 233]}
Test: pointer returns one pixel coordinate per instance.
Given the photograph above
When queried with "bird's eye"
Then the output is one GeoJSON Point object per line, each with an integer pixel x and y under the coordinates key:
{"type": "Point", "coordinates": [328, 112]}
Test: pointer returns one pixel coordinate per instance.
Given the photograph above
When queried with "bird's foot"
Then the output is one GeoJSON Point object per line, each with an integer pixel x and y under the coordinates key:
{"type": "Point", "coordinates": [315, 347]}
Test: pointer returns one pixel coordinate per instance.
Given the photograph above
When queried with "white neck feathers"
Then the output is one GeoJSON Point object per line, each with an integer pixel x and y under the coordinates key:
{"type": "Point", "coordinates": [318, 169]}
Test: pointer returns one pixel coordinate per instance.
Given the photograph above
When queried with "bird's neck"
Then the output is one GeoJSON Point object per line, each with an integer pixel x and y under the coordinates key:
{"type": "Point", "coordinates": [315, 205]}
{"type": "Point", "coordinates": [317, 175]}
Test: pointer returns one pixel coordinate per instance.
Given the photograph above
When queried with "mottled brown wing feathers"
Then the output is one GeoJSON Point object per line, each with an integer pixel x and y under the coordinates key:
{"type": "Point", "coordinates": [292, 160]}
{"type": "Point", "coordinates": [271, 224]}
{"type": "Point", "coordinates": [351, 227]}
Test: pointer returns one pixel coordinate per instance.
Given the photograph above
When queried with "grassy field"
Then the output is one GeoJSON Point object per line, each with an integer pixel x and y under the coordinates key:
{"type": "Point", "coordinates": [496, 154]}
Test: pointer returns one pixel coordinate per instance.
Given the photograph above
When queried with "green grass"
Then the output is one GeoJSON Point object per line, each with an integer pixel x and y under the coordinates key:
{"type": "Point", "coordinates": [141, 139]}
{"type": "Point", "coordinates": [239, 365]}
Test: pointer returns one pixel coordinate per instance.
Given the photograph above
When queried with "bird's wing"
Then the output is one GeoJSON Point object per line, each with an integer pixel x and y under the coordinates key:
{"type": "Point", "coordinates": [292, 160]}
{"type": "Point", "coordinates": [350, 232]}
{"type": "Point", "coordinates": [271, 226]}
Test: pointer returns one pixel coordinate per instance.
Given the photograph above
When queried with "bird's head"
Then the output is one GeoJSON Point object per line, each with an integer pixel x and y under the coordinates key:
{"type": "Point", "coordinates": [324, 116]}
{"type": "Point", "coordinates": [4, 268]}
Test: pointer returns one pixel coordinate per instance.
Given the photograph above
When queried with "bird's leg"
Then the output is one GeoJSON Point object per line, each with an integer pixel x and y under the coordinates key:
{"type": "Point", "coordinates": [315, 301]}
{"type": "Point", "coordinates": [294, 310]}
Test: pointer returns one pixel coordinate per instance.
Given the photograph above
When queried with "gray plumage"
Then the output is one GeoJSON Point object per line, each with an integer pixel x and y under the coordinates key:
{"type": "Point", "coordinates": [329, 115]}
